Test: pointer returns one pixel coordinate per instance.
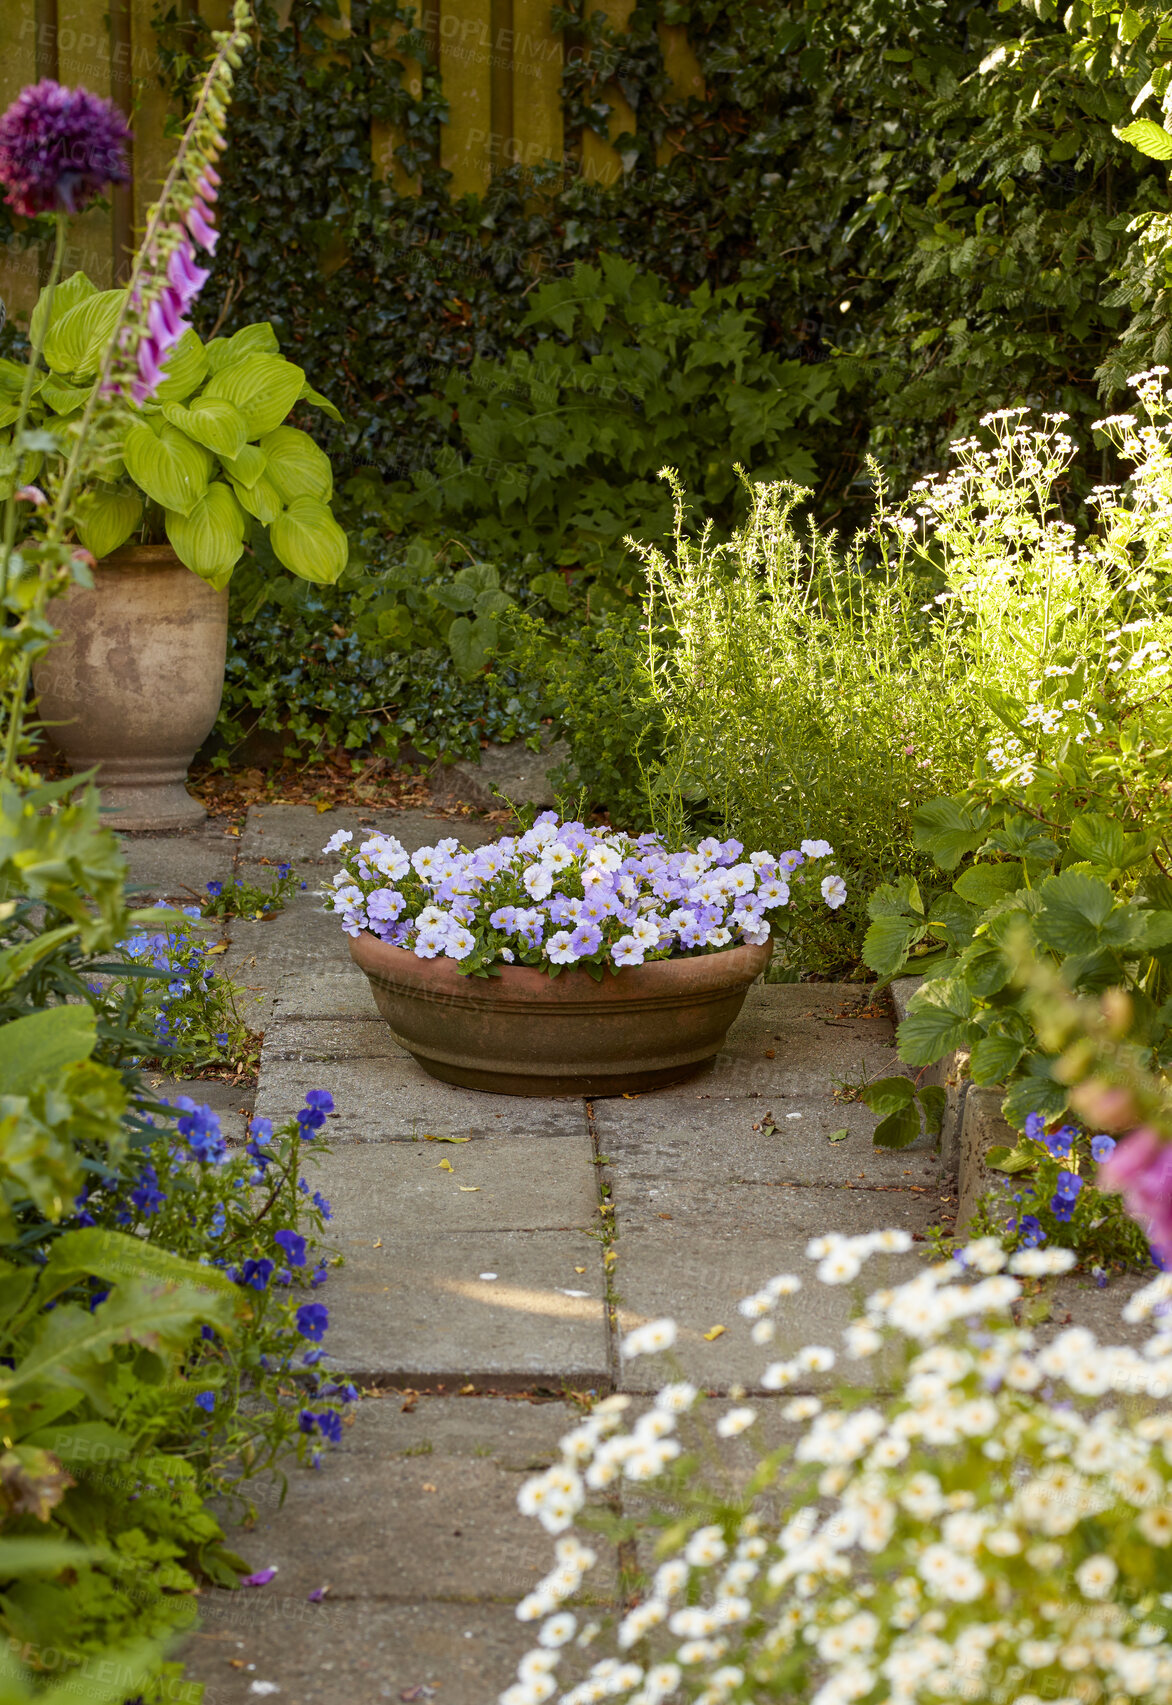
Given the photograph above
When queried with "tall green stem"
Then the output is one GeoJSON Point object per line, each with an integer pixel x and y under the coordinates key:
{"type": "Point", "coordinates": [36, 343]}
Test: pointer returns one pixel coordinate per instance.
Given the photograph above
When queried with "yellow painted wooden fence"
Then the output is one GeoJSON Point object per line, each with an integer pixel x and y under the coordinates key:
{"type": "Point", "coordinates": [499, 60]}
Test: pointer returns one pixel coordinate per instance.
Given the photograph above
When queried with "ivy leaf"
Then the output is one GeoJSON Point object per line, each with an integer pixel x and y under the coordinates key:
{"type": "Point", "coordinates": [472, 643]}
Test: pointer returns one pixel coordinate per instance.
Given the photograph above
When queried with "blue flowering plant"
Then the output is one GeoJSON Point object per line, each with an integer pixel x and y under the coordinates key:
{"type": "Point", "coordinates": [563, 895]}
{"type": "Point", "coordinates": [248, 899]}
{"type": "Point", "coordinates": [193, 1012]}
{"type": "Point", "coordinates": [1046, 1194]}
{"type": "Point", "coordinates": [255, 1213]}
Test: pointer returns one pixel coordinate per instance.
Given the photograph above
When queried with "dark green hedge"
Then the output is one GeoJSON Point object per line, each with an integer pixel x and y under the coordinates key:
{"type": "Point", "coordinates": [930, 190]}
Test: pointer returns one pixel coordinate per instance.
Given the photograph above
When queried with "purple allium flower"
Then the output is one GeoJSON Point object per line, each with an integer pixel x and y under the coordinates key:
{"type": "Point", "coordinates": [59, 148]}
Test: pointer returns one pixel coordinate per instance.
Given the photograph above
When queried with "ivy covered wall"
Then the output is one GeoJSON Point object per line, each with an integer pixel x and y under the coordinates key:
{"type": "Point", "coordinates": [930, 193]}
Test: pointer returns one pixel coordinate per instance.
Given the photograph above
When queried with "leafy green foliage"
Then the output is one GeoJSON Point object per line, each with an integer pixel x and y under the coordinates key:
{"type": "Point", "coordinates": [940, 193]}
{"type": "Point", "coordinates": [199, 457]}
{"type": "Point", "coordinates": [1092, 923]}
{"type": "Point", "coordinates": [905, 1111]}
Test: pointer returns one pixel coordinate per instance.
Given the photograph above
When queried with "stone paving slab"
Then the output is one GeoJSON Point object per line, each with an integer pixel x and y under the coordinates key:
{"type": "Point", "coordinates": [390, 1096]}
{"type": "Point", "coordinates": [650, 1140]}
{"type": "Point", "coordinates": [299, 832]}
{"type": "Point", "coordinates": [233, 1103]}
{"type": "Point", "coordinates": [351, 1038]}
{"type": "Point", "coordinates": [357, 1653]}
{"type": "Point", "coordinates": [417, 1310]}
{"type": "Point", "coordinates": [499, 1183]}
{"type": "Point", "coordinates": [176, 866]}
{"type": "Point", "coordinates": [698, 1272]}
{"type": "Point", "coordinates": [324, 992]}
{"type": "Point", "coordinates": [426, 1520]}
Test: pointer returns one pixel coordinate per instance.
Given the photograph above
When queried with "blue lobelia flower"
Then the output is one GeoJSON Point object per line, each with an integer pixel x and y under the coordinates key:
{"type": "Point", "coordinates": [1031, 1231]}
{"type": "Point", "coordinates": [215, 889]}
{"type": "Point", "coordinates": [1061, 1142]}
{"type": "Point", "coordinates": [294, 1246]}
{"type": "Point", "coordinates": [1035, 1127]}
{"type": "Point", "coordinates": [322, 1205]}
{"type": "Point", "coordinates": [257, 1273]}
{"type": "Point", "coordinates": [1068, 1186]}
{"type": "Point", "coordinates": [206, 1400]}
{"type": "Point", "coordinates": [146, 1196]}
{"type": "Point", "coordinates": [201, 1128]}
{"type": "Point", "coordinates": [1062, 1207]}
{"type": "Point", "coordinates": [1102, 1147]}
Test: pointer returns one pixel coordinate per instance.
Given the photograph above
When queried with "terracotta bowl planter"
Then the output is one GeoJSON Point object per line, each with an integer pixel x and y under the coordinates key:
{"type": "Point", "coordinates": [133, 686]}
{"type": "Point", "coordinates": [525, 1033]}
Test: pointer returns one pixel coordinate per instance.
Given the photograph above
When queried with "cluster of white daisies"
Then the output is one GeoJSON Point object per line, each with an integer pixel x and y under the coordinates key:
{"type": "Point", "coordinates": [563, 894]}
{"type": "Point", "coordinates": [987, 1532]}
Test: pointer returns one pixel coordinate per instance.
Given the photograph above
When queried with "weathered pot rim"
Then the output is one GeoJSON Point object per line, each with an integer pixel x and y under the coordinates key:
{"type": "Point", "coordinates": [143, 556]}
{"type": "Point", "coordinates": [666, 980]}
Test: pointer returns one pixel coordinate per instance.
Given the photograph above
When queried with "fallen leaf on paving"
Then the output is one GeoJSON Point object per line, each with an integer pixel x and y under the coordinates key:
{"type": "Point", "coordinates": [467, 1390]}
{"type": "Point", "coordinates": [770, 1052]}
{"type": "Point", "coordinates": [839, 1136]}
{"type": "Point", "coordinates": [628, 1096]}
{"type": "Point", "coordinates": [412, 1694]}
{"type": "Point", "coordinates": [238, 1663]}
{"type": "Point", "coordinates": [579, 1269]}
{"type": "Point", "coordinates": [220, 947]}
{"type": "Point", "coordinates": [715, 1332]}
{"type": "Point", "coordinates": [469, 1189]}
{"type": "Point", "coordinates": [446, 1166]}
{"type": "Point", "coordinates": [427, 1486]}
{"type": "Point", "coordinates": [377, 1244]}
{"type": "Point", "coordinates": [768, 1130]}
{"type": "Point", "coordinates": [324, 805]}
{"type": "Point", "coordinates": [428, 1138]}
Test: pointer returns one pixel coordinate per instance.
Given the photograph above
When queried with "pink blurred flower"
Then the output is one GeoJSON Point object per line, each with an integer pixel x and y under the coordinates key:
{"type": "Point", "coordinates": [1141, 1167]}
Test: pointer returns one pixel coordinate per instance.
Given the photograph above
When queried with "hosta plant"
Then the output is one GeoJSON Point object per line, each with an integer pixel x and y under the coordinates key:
{"type": "Point", "coordinates": [973, 1519]}
{"type": "Point", "coordinates": [203, 460]}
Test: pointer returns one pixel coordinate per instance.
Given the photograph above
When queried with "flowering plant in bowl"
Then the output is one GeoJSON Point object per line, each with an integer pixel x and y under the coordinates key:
{"type": "Point", "coordinates": [562, 894]}
{"type": "Point", "coordinates": [465, 950]}
{"type": "Point", "coordinates": [971, 1520]}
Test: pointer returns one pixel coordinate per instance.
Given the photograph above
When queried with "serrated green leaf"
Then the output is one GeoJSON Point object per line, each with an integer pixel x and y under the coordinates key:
{"type": "Point", "coordinates": [888, 1094]}
{"type": "Point", "coordinates": [984, 884]}
{"type": "Point", "coordinates": [1012, 1160]}
{"type": "Point", "coordinates": [939, 1020]}
{"type": "Point", "coordinates": [948, 828]}
{"type": "Point", "coordinates": [1149, 137]}
{"type": "Point", "coordinates": [1080, 915]}
{"type": "Point", "coordinates": [898, 1129]}
{"type": "Point", "coordinates": [994, 1057]}
{"type": "Point", "coordinates": [1099, 840]}
{"type": "Point", "coordinates": [888, 941]}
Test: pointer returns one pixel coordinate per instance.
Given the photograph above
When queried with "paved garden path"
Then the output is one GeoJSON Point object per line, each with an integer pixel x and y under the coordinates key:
{"type": "Point", "coordinates": [489, 1280]}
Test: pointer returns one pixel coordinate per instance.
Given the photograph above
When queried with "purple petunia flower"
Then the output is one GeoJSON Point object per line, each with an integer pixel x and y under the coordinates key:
{"type": "Point", "coordinates": [59, 148]}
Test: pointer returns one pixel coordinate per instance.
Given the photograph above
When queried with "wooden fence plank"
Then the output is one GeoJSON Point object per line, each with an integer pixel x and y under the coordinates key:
{"type": "Point", "coordinates": [465, 59]}
{"type": "Point", "coordinates": [538, 125]}
{"type": "Point", "coordinates": [19, 265]}
{"type": "Point", "coordinates": [600, 159]}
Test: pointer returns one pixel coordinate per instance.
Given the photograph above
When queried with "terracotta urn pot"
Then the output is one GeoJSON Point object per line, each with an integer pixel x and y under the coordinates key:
{"type": "Point", "coordinates": [525, 1033]}
{"type": "Point", "coordinates": [133, 686]}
